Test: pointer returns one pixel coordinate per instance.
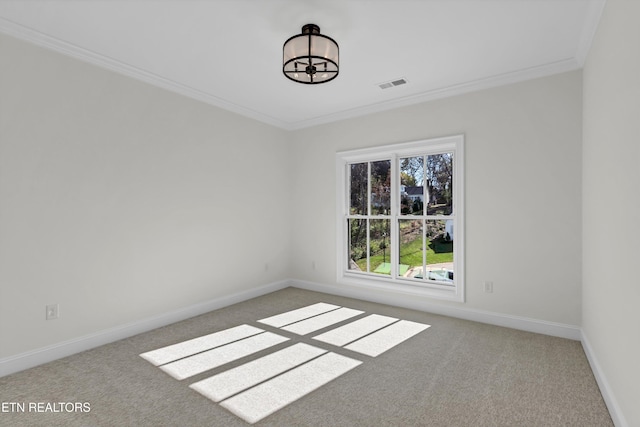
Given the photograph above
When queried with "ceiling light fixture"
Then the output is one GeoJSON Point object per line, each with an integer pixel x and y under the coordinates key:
{"type": "Point", "coordinates": [310, 57]}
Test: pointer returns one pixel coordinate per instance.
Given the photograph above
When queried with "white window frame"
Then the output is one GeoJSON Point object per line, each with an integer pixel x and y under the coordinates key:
{"type": "Point", "coordinates": [395, 152]}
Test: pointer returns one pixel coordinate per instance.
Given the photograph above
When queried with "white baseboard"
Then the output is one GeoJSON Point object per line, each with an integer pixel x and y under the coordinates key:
{"type": "Point", "coordinates": [408, 301]}
{"type": "Point", "coordinates": [50, 353]}
{"type": "Point", "coordinates": [499, 319]}
{"type": "Point", "coordinates": [53, 352]}
{"type": "Point", "coordinates": [605, 389]}
{"type": "Point", "coordinates": [39, 356]}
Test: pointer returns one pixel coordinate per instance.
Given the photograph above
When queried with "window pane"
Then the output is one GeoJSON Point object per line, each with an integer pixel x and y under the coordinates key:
{"type": "Point", "coordinates": [381, 187]}
{"type": "Point", "coordinates": [358, 189]}
{"type": "Point", "coordinates": [380, 247]}
{"type": "Point", "coordinates": [411, 247]}
{"type": "Point", "coordinates": [411, 185]}
{"type": "Point", "coordinates": [439, 180]}
{"type": "Point", "coordinates": [357, 244]}
{"type": "Point", "coordinates": [440, 250]}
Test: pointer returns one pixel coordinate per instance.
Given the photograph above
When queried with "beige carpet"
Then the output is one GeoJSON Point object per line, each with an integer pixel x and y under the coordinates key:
{"type": "Point", "coordinates": [451, 373]}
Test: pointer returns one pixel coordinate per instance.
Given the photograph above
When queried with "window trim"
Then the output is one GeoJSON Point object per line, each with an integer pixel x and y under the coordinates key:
{"type": "Point", "coordinates": [455, 144]}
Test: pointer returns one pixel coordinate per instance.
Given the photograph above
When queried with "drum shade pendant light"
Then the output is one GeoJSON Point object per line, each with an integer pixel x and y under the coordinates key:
{"type": "Point", "coordinates": [310, 57]}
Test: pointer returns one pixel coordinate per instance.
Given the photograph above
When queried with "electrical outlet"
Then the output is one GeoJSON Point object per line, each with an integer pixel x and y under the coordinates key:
{"type": "Point", "coordinates": [488, 287]}
{"type": "Point", "coordinates": [53, 310]}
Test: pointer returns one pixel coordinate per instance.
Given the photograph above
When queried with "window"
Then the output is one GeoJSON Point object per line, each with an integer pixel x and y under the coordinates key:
{"type": "Point", "coordinates": [400, 217]}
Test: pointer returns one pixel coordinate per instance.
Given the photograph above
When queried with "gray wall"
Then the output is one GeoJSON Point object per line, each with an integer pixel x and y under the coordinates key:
{"type": "Point", "coordinates": [611, 203]}
{"type": "Point", "coordinates": [121, 201]}
{"type": "Point", "coordinates": [523, 191]}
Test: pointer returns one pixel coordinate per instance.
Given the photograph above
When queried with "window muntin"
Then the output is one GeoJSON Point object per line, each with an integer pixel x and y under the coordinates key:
{"type": "Point", "coordinates": [404, 203]}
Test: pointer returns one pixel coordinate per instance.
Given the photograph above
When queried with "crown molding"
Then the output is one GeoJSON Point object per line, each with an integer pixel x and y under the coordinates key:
{"type": "Point", "coordinates": [589, 29]}
{"type": "Point", "coordinates": [32, 36]}
{"type": "Point", "coordinates": [517, 76]}
{"type": "Point", "coordinates": [27, 34]}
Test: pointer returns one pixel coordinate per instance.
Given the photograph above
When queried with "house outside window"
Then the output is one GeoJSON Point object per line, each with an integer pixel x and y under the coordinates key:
{"type": "Point", "coordinates": [400, 217]}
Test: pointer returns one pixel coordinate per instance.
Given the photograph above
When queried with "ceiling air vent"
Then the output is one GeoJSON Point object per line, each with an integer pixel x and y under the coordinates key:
{"type": "Point", "coordinates": [392, 83]}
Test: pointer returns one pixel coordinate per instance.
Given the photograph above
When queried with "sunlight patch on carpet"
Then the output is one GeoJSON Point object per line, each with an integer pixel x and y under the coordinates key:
{"type": "Point", "coordinates": [385, 339]}
{"type": "Point", "coordinates": [355, 330]}
{"type": "Point", "coordinates": [292, 316]}
{"type": "Point", "coordinates": [268, 383]}
{"type": "Point", "coordinates": [228, 383]}
{"type": "Point", "coordinates": [210, 359]}
{"type": "Point", "coordinates": [197, 345]}
{"type": "Point", "coordinates": [322, 321]}
{"type": "Point", "coordinates": [266, 398]}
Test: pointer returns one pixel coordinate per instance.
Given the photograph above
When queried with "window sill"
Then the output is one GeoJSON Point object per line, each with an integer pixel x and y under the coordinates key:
{"type": "Point", "coordinates": [403, 287]}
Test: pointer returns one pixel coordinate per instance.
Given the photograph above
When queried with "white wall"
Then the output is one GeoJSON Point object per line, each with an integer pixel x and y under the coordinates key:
{"type": "Point", "coordinates": [611, 200]}
{"type": "Point", "coordinates": [523, 192]}
{"type": "Point", "coordinates": [121, 201]}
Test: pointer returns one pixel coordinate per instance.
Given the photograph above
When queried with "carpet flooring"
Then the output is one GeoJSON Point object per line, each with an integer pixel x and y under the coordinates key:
{"type": "Point", "coordinates": [302, 358]}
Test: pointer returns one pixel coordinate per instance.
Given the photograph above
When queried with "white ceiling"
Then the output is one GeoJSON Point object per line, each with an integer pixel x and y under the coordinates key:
{"type": "Point", "coordinates": [228, 52]}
